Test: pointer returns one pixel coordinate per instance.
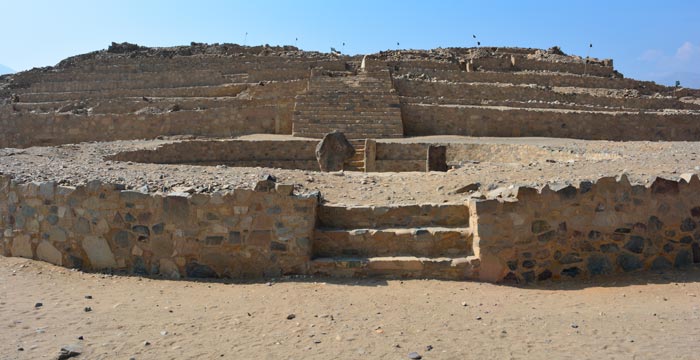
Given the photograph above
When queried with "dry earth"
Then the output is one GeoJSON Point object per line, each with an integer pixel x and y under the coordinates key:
{"type": "Point", "coordinates": [541, 161]}
{"type": "Point", "coordinates": [643, 316]}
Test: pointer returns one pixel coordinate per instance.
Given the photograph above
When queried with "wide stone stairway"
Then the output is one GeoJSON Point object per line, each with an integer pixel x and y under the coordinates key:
{"type": "Point", "coordinates": [394, 241]}
{"type": "Point", "coordinates": [361, 105]}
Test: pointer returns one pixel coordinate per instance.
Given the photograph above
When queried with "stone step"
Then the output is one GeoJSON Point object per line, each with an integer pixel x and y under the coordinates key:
{"type": "Point", "coordinates": [347, 114]}
{"type": "Point", "coordinates": [360, 106]}
{"type": "Point", "coordinates": [345, 98]}
{"type": "Point", "coordinates": [355, 163]}
{"type": "Point", "coordinates": [358, 157]}
{"type": "Point", "coordinates": [367, 123]}
{"type": "Point", "coordinates": [350, 135]}
{"type": "Point", "coordinates": [324, 111]}
{"type": "Point", "coordinates": [382, 107]}
{"type": "Point", "coordinates": [461, 268]}
{"type": "Point", "coordinates": [391, 216]}
{"type": "Point", "coordinates": [423, 241]}
{"type": "Point", "coordinates": [319, 126]}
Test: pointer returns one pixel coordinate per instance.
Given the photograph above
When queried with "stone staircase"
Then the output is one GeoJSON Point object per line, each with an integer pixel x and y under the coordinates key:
{"type": "Point", "coordinates": [414, 241]}
{"type": "Point", "coordinates": [361, 105]}
{"type": "Point", "coordinates": [357, 161]}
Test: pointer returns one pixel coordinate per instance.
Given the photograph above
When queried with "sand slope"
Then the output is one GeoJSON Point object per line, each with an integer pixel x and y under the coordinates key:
{"type": "Point", "coordinates": [647, 316]}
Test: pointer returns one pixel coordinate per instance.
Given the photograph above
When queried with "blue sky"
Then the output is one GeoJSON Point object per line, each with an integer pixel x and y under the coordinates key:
{"type": "Point", "coordinates": [649, 40]}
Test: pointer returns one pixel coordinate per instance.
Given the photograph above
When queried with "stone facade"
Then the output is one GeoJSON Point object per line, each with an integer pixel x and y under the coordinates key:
{"type": "Point", "coordinates": [601, 228]}
{"type": "Point", "coordinates": [204, 90]}
{"type": "Point", "coordinates": [239, 234]}
{"type": "Point", "coordinates": [288, 154]}
{"type": "Point", "coordinates": [594, 229]}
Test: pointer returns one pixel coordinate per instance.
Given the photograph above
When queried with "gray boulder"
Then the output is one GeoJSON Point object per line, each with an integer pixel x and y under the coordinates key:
{"type": "Point", "coordinates": [333, 150]}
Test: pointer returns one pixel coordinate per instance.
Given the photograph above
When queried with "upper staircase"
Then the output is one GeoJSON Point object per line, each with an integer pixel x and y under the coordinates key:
{"type": "Point", "coordinates": [359, 104]}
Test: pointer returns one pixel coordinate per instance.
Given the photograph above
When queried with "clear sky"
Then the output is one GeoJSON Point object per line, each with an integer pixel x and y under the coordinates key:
{"type": "Point", "coordinates": [649, 40]}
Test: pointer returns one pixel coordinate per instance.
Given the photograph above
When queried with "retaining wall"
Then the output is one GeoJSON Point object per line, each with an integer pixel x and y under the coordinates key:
{"type": "Point", "coordinates": [595, 229]}
{"type": "Point", "coordinates": [422, 119]}
{"type": "Point", "coordinates": [98, 226]}
{"type": "Point", "coordinates": [251, 117]}
{"type": "Point", "coordinates": [544, 79]}
{"type": "Point", "coordinates": [569, 233]}
{"type": "Point", "coordinates": [289, 154]}
{"type": "Point", "coordinates": [471, 93]}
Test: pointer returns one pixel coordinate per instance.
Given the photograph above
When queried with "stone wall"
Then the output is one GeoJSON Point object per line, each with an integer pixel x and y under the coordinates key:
{"type": "Point", "coordinates": [601, 228]}
{"type": "Point", "coordinates": [597, 228]}
{"type": "Point", "coordinates": [398, 157]}
{"type": "Point", "coordinates": [239, 234]}
{"type": "Point", "coordinates": [543, 79]}
{"type": "Point", "coordinates": [289, 154]}
{"type": "Point", "coordinates": [441, 92]}
{"type": "Point", "coordinates": [251, 117]}
{"type": "Point", "coordinates": [428, 119]}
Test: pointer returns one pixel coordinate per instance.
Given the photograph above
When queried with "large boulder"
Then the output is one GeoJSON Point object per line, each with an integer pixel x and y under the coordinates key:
{"type": "Point", "coordinates": [333, 150]}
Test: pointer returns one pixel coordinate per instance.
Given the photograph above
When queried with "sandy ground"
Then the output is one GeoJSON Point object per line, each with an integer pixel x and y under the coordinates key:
{"type": "Point", "coordinates": [571, 161]}
{"type": "Point", "coordinates": [642, 316]}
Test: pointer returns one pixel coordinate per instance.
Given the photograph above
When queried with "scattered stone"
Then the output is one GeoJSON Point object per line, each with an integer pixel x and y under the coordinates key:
{"type": "Point", "coordinates": [466, 189]}
{"type": "Point", "coordinates": [89, 297]}
{"type": "Point", "coordinates": [68, 352]}
{"type": "Point", "coordinates": [87, 309]}
{"type": "Point", "coordinates": [38, 305]}
{"type": "Point", "coordinates": [414, 356]}
{"type": "Point", "coordinates": [266, 184]}
{"type": "Point", "coordinates": [291, 316]}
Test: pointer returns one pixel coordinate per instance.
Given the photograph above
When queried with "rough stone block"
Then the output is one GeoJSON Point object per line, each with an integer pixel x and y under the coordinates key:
{"type": "Point", "coordinates": [98, 252]}
{"type": "Point", "coordinates": [22, 246]}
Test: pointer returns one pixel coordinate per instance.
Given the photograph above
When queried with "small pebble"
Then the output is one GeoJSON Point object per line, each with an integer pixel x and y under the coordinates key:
{"type": "Point", "coordinates": [80, 337]}
{"type": "Point", "coordinates": [414, 356]}
{"type": "Point", "coordinates": [88, 297]}
{"type": "Point", "coordinates": [87, 309]}
{"type": "Point", "coordinates": [429, 347]}
{"type": "Point", "coordinates": [38, 305]}
{"type": "Point", "coordinates": [291, 316]}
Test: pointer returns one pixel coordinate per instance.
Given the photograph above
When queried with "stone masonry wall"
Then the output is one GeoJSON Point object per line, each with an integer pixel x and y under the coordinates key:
{"type": "Point", "coordinates": [544, 79]}
{"type": "Point", "coordinates": [98, 226]}
{"type": "Point", "coordinates": [289, 154]}
{"type": "Point", "coordinates": [255, 117]}
{"type": "Point", "coordinates": [603, 228]}
{"type": "Point", "coordinates": [422, 120]}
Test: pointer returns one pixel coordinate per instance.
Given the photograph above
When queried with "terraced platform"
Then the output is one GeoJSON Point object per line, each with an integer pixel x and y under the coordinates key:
{"type": "Point", "coordinates": [132, 92]}
{"type": "Point", "coordinates": [199, 161]}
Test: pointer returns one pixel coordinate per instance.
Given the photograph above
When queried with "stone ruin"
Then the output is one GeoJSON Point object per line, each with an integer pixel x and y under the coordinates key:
{"type": "Point", "coordinates": [207, 96]}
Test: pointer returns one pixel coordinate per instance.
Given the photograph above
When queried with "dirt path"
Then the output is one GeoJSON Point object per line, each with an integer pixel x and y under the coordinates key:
{"type": "Point", "coordinates": [648, 316]}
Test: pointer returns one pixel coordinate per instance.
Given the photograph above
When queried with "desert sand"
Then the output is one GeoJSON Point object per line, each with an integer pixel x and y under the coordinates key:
{"type": "Point", "coordinates": [639, 316]}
